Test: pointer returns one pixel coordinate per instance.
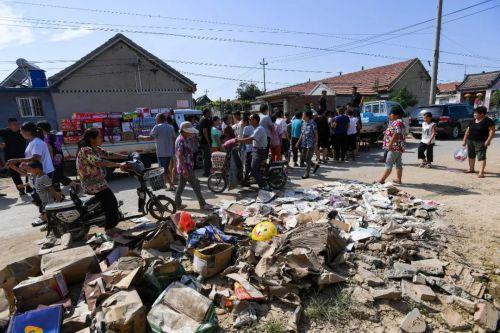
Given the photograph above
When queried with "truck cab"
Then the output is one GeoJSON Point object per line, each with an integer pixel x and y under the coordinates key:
{"type": "Point", "coordinates": [182, 115]}
{"type": "Point", "coordinates": [375, 117]}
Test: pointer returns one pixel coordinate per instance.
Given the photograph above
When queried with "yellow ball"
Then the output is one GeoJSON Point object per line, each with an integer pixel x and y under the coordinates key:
{"type": "Point", "coordinates": [264, 231]}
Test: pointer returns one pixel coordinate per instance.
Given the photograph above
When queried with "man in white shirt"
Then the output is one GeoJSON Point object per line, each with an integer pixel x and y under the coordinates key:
{"type": "Point", "coordinates": [260, 149]}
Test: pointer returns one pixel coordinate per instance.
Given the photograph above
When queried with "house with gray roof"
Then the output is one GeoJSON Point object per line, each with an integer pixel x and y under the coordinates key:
{"type": "Point", "coordinates": [476, 89]}
{"type": "Point", "coordinates": [119, 76]}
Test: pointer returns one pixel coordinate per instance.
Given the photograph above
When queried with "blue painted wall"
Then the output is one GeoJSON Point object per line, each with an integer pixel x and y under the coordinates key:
{"type": "Point", "coordinates": [9, 107]}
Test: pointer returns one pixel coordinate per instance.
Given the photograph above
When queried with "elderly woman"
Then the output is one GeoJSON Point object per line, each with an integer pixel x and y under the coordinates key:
{"type": "Point", "coordinates": [478, 138]}
{"type": "Point", "coordinates": [91, 167]}
{"type": "Point", "coordinates": [394, 143]}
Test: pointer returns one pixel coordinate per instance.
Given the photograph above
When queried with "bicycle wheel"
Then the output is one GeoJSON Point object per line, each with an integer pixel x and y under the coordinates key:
{"type": "Point", "coordinates": [217, 182]}
{"type": "Point", "coordinates": [161, 207]}
{"type": "Point", "coordinates": [277, 179]}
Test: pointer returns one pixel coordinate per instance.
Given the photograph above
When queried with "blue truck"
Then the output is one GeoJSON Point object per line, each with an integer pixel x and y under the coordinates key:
{"type": "Point", "coordinates": [375, 118]}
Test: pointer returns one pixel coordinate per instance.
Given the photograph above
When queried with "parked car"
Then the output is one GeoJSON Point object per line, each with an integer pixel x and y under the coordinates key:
{"type": "Point", "coordinates": [375, 118]}
{"type": "Point", "coordinates": [452, 119]}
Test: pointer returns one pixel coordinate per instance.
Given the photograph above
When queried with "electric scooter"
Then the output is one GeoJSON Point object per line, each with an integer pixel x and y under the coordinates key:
{"type": "Point", "coordinates": [77, 216]}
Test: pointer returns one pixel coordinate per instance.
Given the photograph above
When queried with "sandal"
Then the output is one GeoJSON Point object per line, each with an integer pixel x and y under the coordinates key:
{"type": "Point", "coordinates": [481, 176]}
{"type": "Point", "coordinates": [469, 171]}
{"type": "Point", "coordinates": [395, 181]}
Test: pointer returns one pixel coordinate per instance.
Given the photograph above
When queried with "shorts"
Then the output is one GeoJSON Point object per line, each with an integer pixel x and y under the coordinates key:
{"type": "Point", "coordinates": [476, 149]}
{"type": "Point", "coordinates": [164, 162]}
{"type": "Point", "coordinates": [324, 142]}
{"type": "Point", "coordinates": [394, 158]}
{"type": "Point", "coordinates": [352, 140]}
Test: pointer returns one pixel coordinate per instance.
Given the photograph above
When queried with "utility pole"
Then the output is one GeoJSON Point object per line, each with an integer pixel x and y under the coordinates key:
{"type": "Point", "coordinates": [264, 64]}
{"type": "Point", "coordinates": [432, 96]}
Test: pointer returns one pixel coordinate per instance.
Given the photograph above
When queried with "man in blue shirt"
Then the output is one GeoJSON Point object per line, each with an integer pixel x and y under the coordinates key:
{"type": "Point", "coordinates": [308, 142]}
{"type": "Point", "coordinates": [296, 131]}
{"type": "Point", "coordinates": [340, 125]}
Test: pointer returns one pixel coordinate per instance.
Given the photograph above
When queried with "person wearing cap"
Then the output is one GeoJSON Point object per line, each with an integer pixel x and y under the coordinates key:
{"type": "Point", "coordinates": [259, 142]}
{"type": "Point", "coordinates": [185, 166]}
{"type": "Point", "coordinates": [394, 143]}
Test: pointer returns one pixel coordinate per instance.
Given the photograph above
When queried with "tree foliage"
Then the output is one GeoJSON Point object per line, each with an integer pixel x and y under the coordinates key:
{"type": "Point", "coordinates": [248, 91]}
{"type": "Point", "coordinates": [495, 100]}
{"type": "Point", "coordinates": [403, 97]}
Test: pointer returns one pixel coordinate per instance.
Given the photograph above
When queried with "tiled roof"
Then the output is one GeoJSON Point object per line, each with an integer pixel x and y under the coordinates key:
{"type": "Point", "coordinates": [369, 81]}
{"type": "Point", "coordinates": [448, 87]}
{"type": "Point", "coordinates": [479, 81]}
{"type": "Point", "coordinates": [56, 78]}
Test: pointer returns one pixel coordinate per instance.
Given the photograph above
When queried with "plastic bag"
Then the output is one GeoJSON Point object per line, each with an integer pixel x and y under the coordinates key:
{"type": "Point", "coordinates": [186, 222]}
{"type": "Point", "coordinates": [460, 154]}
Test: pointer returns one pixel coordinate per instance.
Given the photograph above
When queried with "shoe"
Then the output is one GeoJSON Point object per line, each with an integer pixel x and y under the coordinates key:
{"type": "Point", "coordinates": [3, 194]}
{"type": "Point", "coordinates": [181, 207]}
{"type": "Point", "coordinates": [316, 167]}
{"type": "Point", "coordinates": [207, 207]}
{"type": "Point", "coordinates": [22, 193]}
{"type": "Point", "coordinates": [302, 165]}
{"type": "Point", "coordinates": [38, 223]}
{"type": "Point", "coordinates": [295, 165]}
{"type": "Point", "coordinates": [305, 176]}
{"type": "Point", "coordinates": [44, 228]}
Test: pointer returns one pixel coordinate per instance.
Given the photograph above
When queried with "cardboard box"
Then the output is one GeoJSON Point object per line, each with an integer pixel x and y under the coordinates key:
{"type": "Point", "coordinates": [124, 312]}
{"type": "Point", "coordinates": [180, 309]}
{"type": "Point", "coordinates": [45, 290]}
{"type": "Point", "coordinates": [73, 263]}
{"type": "Point", "coordinates": [212, 259]}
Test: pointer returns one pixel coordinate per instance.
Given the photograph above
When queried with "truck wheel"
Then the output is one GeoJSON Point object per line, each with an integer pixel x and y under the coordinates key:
{"type": "Point", "coordinates": [416, 136]}
{"type": "Point", "coordinates": [455, 132]}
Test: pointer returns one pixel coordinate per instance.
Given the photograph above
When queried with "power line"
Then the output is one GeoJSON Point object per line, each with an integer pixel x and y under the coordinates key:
{"type": "Point", "coordinates": [220, 39]}
{"type": "Point", "coordinates": [304, 54]}
{"type": "Point", "coordinates": [92, 24]}
{"type": "Point", "coordinates": [186, 19]}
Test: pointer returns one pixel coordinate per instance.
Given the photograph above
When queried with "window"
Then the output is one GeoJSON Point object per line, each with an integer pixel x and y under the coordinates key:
{"type": "Point", "coordinates": [30, 107]}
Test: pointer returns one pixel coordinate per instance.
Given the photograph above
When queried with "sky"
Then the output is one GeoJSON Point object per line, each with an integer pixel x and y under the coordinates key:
{"type": "Point", "coordinates": [300, 40]}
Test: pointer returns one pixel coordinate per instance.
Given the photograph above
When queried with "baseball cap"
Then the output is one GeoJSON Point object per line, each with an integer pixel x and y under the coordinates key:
{"type": "Point", "coordinates": [188, 128]}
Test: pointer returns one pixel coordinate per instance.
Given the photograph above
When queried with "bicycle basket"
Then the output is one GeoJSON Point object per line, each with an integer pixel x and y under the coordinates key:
{"type": "Point", "coordinates": [154, 177]}
{"type": "Point", "coordinates": [218, 160]}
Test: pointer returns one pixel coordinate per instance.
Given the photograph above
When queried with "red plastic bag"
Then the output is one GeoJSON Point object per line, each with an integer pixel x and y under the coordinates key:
{"type": "Point", "coordinates": [186, 222]}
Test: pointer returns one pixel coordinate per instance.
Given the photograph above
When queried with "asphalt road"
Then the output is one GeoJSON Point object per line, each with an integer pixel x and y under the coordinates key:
{"type": "Point", "coordinates": [443, 182]}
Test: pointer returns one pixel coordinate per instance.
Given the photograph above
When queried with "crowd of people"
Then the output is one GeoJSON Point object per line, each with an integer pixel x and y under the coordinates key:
{"type": "Point", "coordinates": [305, 140]}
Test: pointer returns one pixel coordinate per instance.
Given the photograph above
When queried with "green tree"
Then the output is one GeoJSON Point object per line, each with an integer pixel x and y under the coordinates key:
{"type": "Point", "coordinates": [403, 97]}
{"type": "Point", "coordinates": [248, 91]}
{"type": "Point", "coordinates": [495, 100]}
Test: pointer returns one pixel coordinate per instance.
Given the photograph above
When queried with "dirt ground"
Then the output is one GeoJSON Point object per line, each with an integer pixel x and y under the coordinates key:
{"type": "Point", "coordinates": [471, 205]}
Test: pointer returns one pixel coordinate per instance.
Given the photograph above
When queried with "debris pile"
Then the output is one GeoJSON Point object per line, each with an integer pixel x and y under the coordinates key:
{"type": "Point", "coordinates": [256, 260]}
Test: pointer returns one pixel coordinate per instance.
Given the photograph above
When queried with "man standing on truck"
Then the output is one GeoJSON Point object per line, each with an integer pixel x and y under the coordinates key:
{"type": "Point", "coordinates": [205, 143]}
{"type": "Point", "coordinates": [164, 135]}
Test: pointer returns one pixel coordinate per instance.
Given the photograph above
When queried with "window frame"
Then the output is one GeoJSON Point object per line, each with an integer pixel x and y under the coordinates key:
{"type": "Point", "coordinates": [35, 107]}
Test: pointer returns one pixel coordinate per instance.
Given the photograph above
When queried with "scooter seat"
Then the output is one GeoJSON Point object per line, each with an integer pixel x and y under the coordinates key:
{"type": "Point", "coordinates": [60, 205]}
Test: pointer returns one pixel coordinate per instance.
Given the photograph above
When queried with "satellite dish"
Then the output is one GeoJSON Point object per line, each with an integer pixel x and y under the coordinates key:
{"type": "Point", "coordinates": [22, 63]}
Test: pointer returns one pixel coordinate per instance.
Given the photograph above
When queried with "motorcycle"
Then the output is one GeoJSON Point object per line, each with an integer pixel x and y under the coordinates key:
{"type": "Point", "coordinates": [77, 215]}
{"type": "Point", "coordinates": [274, 173]}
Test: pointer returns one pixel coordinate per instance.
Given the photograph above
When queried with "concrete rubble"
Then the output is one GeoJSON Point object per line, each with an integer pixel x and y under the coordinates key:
{"type": "Point", "coordinates": [380, 245]}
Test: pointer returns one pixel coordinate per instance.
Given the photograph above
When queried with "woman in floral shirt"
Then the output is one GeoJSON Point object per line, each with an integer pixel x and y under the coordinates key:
{"type": "Point", "coordinates": [394, 143]}
{"type": "Point", "coordinates": [91, 167]}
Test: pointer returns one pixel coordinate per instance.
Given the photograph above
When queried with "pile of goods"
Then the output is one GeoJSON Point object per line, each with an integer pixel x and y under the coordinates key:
{"type": "Point", "coordinates": [256, 261]}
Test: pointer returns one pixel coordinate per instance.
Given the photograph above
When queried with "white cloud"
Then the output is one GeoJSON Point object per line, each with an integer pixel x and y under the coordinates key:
{"type": "Point", "coordinates": [66, 35]}
{"type": "Point", "coordinates": [12, 35]}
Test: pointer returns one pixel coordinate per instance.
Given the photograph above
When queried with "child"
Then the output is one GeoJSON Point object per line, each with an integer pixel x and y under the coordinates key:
{"type": "Point", "coordinates": [427, 141]}
{"type": "Point", "coordinates": [44, 192]}
{"type": "Point", "coordinates": [352, 133]}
